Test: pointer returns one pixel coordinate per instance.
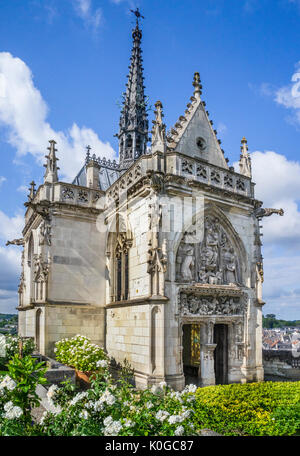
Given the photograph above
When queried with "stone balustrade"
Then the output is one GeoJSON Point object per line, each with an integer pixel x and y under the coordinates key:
{"type": "Point", "coordinates": [200, 171]}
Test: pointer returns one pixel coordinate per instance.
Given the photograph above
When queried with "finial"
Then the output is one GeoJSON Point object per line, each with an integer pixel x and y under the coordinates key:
{"type": "Point", "coordinates": [197, 85]}
{"type": "Point", "coordinates": [137, 15]}
{"type": "Point", "coordinates": [31, 191]}
{"type": "Point", "coordinates": [244, 140]}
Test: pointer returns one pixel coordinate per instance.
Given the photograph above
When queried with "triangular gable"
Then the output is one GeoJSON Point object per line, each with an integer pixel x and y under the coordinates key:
{"type": "Point", "coordinates": [194, 135]}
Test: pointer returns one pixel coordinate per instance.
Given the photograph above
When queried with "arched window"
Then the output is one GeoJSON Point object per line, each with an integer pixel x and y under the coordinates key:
{"type": "Point", "coordinates": [119, 243]}
{"type": "Point", "coordinates": [122, 267]}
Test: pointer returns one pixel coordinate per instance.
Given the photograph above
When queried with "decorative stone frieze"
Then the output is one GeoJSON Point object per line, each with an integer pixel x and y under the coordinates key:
{"type": "Point", "coordinates": [210, 305]}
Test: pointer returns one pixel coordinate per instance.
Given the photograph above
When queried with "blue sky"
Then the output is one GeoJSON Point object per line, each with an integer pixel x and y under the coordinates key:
{"type": "Point", "coordinates": [63, 67]}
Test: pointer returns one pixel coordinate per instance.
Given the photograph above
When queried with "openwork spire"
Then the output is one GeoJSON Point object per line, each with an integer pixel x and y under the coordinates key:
{"type": "Point", "coordinates": [133, 132]}
{"type": "Point", "coordinates": [51, 165]}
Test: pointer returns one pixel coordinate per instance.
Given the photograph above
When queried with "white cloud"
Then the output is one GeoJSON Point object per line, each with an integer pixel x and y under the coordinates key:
{"type": "Point", "coordinates": [10, 261]}
{"type": "Point", "coordinates": [24, 111]}
{"type": "Point", "coordinates": [2, 179]}
{"type": "Point", "coordinates": [289, 95]}
{"type": "Point", "coordinates": [11, 227]}
{"type": "Point", "coordinates": [92, 18]}
{"type": "Point", "coordinates": [278, 186]}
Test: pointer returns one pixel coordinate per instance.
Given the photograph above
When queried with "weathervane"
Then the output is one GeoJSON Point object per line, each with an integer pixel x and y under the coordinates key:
{"type": "Point", "coordinates": [138, 15]}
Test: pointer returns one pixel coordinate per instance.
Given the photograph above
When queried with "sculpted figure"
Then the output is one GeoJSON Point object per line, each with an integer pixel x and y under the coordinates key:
{"type": "Point", "coordinates": [211, 256]}
{"type": "Point", "coordinates": [187, 262]}
{"type": "Point", "coordinates": [202, 276]}
{"type": "Point", "coordinates": [230, 268]}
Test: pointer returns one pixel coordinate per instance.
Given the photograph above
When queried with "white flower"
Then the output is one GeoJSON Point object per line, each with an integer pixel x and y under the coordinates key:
{"type": "Point", "coordinates": [101, 363]}
{"type": "Point", "coordinates": [78, 397]}
{"type": "Point", "coordinates": [179, 430]}
{"type": "Point", "coordinates": [190, 389]}
{"type": "Point", "coordinates": [155, 389]}
{"type": "Point", "coordinates": [162, 385]}
{"type": "Point", "coordinates": [176, 395]}
{"type": "Point", "coordinates": [12, 411]}
{"type": "Point", "coordinates": [185, 415]}
{"type": "Point", "coordinates": [174, 419]}
{"type": "Point", "coordinates": [112, 428]}
{"type": "Point", "coordinates": [108, 421]}
{"type": "Point", "coordinates": [161, 415]}
{"type": "Point", "coordinates": [8, 383]}
{"type": "Point", "coordinates": [52, 392]}
{"type": "Point", "coordinates": [43, 417]}
{"type": "Point", "coordinates": [128, 423]}
{"type": "Point", "coordinates": [108, 398]}
{"type": "Point", "coordinates": [149, 405]}
{"type": "Point", "coordinates": [84, 414]}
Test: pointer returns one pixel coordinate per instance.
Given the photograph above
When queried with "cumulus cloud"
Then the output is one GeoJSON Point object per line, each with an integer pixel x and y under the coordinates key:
{"type": "Point", "coordinates": [91, 17]}
{"type": "Point", "coordinates": [10, 261]}
{"type": "Point", "coordinates": [289, 95]}
{"type": "Point", "coordinates": [278, 186]}
{"type": "Point", "coordinates": [23, 111]}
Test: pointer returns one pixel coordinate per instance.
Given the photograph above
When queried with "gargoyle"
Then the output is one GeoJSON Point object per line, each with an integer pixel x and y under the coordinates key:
{"type": "Point", "coordinates": [266, 212]}
{"type": "Point", "coordinates": [16, 242]}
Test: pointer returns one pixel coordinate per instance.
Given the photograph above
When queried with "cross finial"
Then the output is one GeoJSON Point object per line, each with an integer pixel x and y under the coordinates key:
{"type": "Point", "coordinates": [137, 15]}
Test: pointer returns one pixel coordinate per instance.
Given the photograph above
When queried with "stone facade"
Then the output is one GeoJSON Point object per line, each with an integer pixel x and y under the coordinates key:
{"type": "Point", "coordinates": [160, 265]}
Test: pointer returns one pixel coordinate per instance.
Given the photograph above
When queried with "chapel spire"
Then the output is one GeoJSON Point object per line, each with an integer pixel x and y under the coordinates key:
{"type": "Point", "coordinates": [133, 132]}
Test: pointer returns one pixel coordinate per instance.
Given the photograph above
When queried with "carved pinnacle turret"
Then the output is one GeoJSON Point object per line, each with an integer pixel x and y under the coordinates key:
{"type": "Point", "coordinates": [51, 175]}
{"type": "Point", "coordinates": [245, 160]}
{"type": "Point", "coordinates": [159, 130]}
{"type": "Point", "coordinates": [31, 191]}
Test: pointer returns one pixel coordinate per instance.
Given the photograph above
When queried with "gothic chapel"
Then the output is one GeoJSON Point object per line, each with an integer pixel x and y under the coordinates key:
{"type": "Point", "coordinates": [157, 258]}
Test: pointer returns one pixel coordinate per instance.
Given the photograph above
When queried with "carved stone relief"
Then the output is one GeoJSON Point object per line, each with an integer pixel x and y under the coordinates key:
{"type": "Point", "coordinates": [210, 305]}
{"type": "Point", "coordinates": [212, 261]}
{"type": "Point", "coordinates": [45, 234]}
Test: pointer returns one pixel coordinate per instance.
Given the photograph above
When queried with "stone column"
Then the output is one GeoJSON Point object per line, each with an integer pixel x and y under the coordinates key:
{"type": "Point", "coordinates": [207, 364]}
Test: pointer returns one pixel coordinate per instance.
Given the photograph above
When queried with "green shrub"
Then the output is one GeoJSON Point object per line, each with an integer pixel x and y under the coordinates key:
{"type": "Point", "coordinates": [80, 353]}
{"type": "Point", "coordinates": [267, 408]}
{"type": "Point", "coordinates": [18, 395]}
{"type": "Point", "coordinates": [110, 410]}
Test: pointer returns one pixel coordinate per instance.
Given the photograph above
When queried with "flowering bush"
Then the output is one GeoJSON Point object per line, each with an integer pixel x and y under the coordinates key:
{"type": "Point", "coordinates": [110, 410]}
{"type": "Point", "coordinates": [80, 353]}
{"type": "Point", "coordinates": [267, 408]}
{"type": "Point", "coordinates": [11, 348]}
{"type": "Point", "coordinates": [18, 395]}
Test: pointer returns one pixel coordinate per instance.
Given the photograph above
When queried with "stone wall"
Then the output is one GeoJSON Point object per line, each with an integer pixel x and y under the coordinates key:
{"type": "Point", "coordinates": [282, 364]}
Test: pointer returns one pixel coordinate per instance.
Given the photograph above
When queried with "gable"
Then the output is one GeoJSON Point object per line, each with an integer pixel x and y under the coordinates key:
{"type": "Point", "coordinates": [198, 139]}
